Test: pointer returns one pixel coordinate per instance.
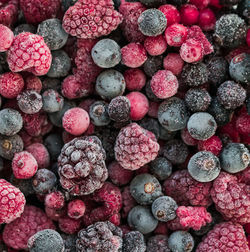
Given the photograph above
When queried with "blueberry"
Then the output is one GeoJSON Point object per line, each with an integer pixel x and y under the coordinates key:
{"type": "Point", "coordinates": [54, 144]}
{"type": "Point", "coordinates": [69, 242]}
{"type": "Point", "coordinates": [52, 101]}
{"type": "Point", "coordinates": [141, 219]}
{"type": "Point", "coordinates": [173, 114]}
{"type": "Point", "coordinates": [24, 28]}
{"type": "Point", "coordinates": [51, 83]}
{"type": "Point", "coordinates": [204, 166]}
{"type": "Point", "coordinates": [53, 33]}
{"type": "Point", "coordinates": [152, 65]}
{"type": "Point", "coordinates": [161, 168]}
{"type": "Point", "coordinates": [152, 125]}
{"type": "Point", "coordinates": [181, 241]}
{"type": "Point", "coordinates": [134, 242]}
{"type": "Point", "coordinates": [164, 208]}
{"type": "Point", "coordinates": [119, 109]}
{"type": "Point", "coordinates": [98, 113]}
{"type": "Point", "coordinates": [166, 134]}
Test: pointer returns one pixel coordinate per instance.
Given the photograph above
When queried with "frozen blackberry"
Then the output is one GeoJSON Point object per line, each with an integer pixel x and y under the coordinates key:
{"type": "Point", "coordinates": [46, 240]}
{"type": "Point", "coordinates": [201, 126]}
{"type": "Point", "coordinates": [152, 22]}
{"type": "Point", "coordinates": [60, 65]}
{"type": "Point", "coordinates": [181, 241]}
{"type": "Point", "coordinates": [195, 74]}
{"type": "Point", "coordinates": [134, 242]}
{"type": "Point", "coordinates": [244, 10]}
{"type": "Point", "coordinates": [235, 157]}
{"type": "Point", "coordinates": [231, 95]}
{"type": "Point", "coordinates": [52, 101]}
{"type": "Point", "coordinates": [153, 3]}
{"type": "Point", "coordinates": [98, 113]}
{"type": "Point", "coordinates": [197, 99]}
{"type": "Point", "coordinates": [24, 28]}
{"type": "Point", "coordinates": [145, 188]}
{"type": "Point", "coordinates": [158, 243]}
{"type": "Point", "coordinates": [53, 34]}
{"type": "Point", "coordinates": [11, 122]}
{"type": "Point", "coordinates": [164, 208]}
{"type": "Point", "coordinates": [110, 84]}
{"type": "Point", "coordinates": [119, 109]}
{"type": "Point", "coordinates": [106, 53]}
{"type": "Point", "coordinates": [230, 31]}
{"type": "Point", "coordinates": [101, 236]}
{"type": "Point", "coordinates": [81, 165]}
{"type": "Point", "coordinates": [150, 94]}
{"type": "Point", "coordinates": [54, 144]}
{"type": "Point", "coordinates": [204, 166]}
{"type": "Point", "coordinates": [151, 125]}
{"type": "Point", "coordinates": [161, 168]}
{"type": "Point", "coordinates": [152, 65]}
{"type": "Point", "coordinates": [30, 102]}
{"type": "Point", "coordinates": [141, 219]}
{"type": "Point", "coordinates": [173, 114]}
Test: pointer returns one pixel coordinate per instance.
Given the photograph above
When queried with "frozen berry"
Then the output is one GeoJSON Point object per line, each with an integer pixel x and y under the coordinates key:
{"type": "Point", "coordinates": [76, 209]}
{"type": "Point", "coordinates": [6, 38]}
{"type": "Point", "coordinates": [155, 45]}
{"type": "Point", "coordinates": [68, 225]}
{"type": "Point", "coordinates": [200, 4]}
{"type": "Point", "coordinates": [158, 243]}
{"type": "Point", "coordinates": [176, 35]}
{"type": "Point", "coordinates": [174, 63]}
{"type": "Point", "coordinates": [152, 3]}
{"type": "Point", "coordinates": [24, 28]}
{"type": "Point", "coordinates": [189, 14]}
{"type": "Point", "coordinates": [134, 242]}
{"type": "Point", "coordinates": [135, 79]}
{"type": "Point", "coordinates": [207, 19]}
{"type": "Point", "coordinates": [152, 65]}
{"type": "Point", "coordinates": [171, 13]}
{"type": "Point", "coordinates": [52, 101]}
{"type": "Point", "coordinates": [33, 82]}
{"type": "Point", "coordinates": [181, 241]}
{"type": "Point", "coordinates": [98, 113]}
{"type": "Point", "coordinates": [54, 200]}
{"type": "Point", "coordinates": [212, 144]}
{"type": "Point", "coordinates": [161, 168]}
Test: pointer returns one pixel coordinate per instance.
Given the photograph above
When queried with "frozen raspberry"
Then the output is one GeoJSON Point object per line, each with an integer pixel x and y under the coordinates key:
{"type": "Point", "coordinates": [171, 13]}
{"type": "Point", "coordinates": [224, 237]}
{"type": "Point", "coordinates": [176, 34]}
{"type": "Point", "coordinates": [164, 84]}
{"type": "Point", "coordinates": [12, 202]}
{"type": "Point", "coordinates": [133, 55]}
{"type": "Point", "coordinates": [187, 191]}
{"type": "Point", "coordinates": [135, 79]}
{"type": "Point", "coordinates": [91, 18]}
{"type": "Point", "coordinates": [8, 12]}
{"type": "Point", "coordinates": [32, 82]}
{"type": "Point", "coordinates": [174, 63]}
{"type": "Point", "coordinates": [81, 165]}
{"type": "Point", "coordinates": [189, 14]}
{"type": "Point", "coordinates": [29, 53]}
{"type": "Point", "coordinates": [76, 209]}
{"type": "Point", "coordinates": [135, 147]}
{"type": "Point", "coordinates": [187, 138]}
{"type": "Point", "coordinates": [176, 225]}
{"type": "Point", "coordinates": [6, 38]}
{"type": "Point", "coordinates": [212, 144]}
{"type": "Point", "coordinates": [128, 202]}
{"type": "Point", "coordinates": [231, 198]}
{"type": "Point", "coordinates": [68, 225]}
{"type": "Point", "coordinates": [32, 220]}
{"type": "Point", "coordinates": [155, 45]}
{"type": "Point", "coordinates": [207, 19]}
{"type": "Point", "coordinates": [54, 200]}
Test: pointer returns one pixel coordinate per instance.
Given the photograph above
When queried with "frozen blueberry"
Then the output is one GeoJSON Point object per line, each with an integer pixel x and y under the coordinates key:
{"type": "Point", "coordinates": [181, 241]}
{"type": "Point", "coordinates": [152, 22]}
{"type": "Point", "coordinates": [204, 166]}
{"type": "Point", "coordinates": [134, 242]}
{"type": "Point", "coordinates": [52, 101]}
{"type": "Point", "coordinates": [141, 219]}
{"type": "Point", "coordinates": [54, 144]}
{"type": "Point", "coordinates": [166, 134]}
{"type": "Point", "coordinates": [152, 65]}
{"type": "Point", "coordinates": [145, 188]}
{"type": "Point", "coordinates": [110, 84]}
{"type": "Point", "coordinates": [164, 208]}
{"type": "Point", "coordinates": [98, 113]}
{"type": "Point", "coordinates": [54, 35]}
{"type": "Point", "coordinates": [51, 83]}
{"type": "Point", "coordinates": [119, 109]}
{"type": "Point", "coordinates": [24, 28]}
{"type": "Point", "coordinates": [61, 64]}
{"type": "Point", "coordinates": [106, 53]}
{"type": "Point", "coordinates": [235, 157]}
{"type": "Point", "coordinates": [161, 168]}
{"type": "Point", "coordinates": [151, 125]}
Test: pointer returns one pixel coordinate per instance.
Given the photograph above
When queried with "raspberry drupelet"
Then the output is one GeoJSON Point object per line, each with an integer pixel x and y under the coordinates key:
{"type": "Point", "coordinates": [135, 79]}
{"type": "Point", "coordinates": [128, 202]}
{"type": "Point", "coordinates": [6, 38]}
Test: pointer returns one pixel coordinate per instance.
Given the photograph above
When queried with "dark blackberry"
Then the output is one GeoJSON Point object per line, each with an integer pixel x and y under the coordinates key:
{"type": "Point", "coordinates": [98, 113]}
{"type": "Point", "coordinates": [52, 101]}
{"type": "Point", "coordinates": [101, 236]}
{"type": "Point", "coordinates": [54, 144]}
{"type": "Point", "coordinates": [153, 3]}
{"type": "Point", "coordinates": [152, 65]}
{"type": "Point", "coordinates": [161, 168]}
{"type": "Point", "coordinates": [134, 242]}
{"type": "Point", "coordinates": [81, 165]}
{"type": "Point", "coordinates": [231, 95]}
{"type": "Point", "coordinates": [244, 10]}
{"type": "Point", "coordinates": [151, 96]}
{"type": "Point", "coordinates": [195, 74]}
{"type": "Point", "coordinates": [25, 185]}
{"type": "Point", "coordinates": [158, 243]}
{"type": "Point", "coordinates": [151, 125]}
{"type": "Point", "coordinates": [181, 241]}
{"type": "Point", "coordinates": [24, 28]}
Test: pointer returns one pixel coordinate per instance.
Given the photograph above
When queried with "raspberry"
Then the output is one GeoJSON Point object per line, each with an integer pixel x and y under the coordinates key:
{"type": "Point", "coordinates": [207, 19]}
{"type": "Point", "coordinates": [54, 200]}
{"type": "Point", "coordinates": [55, 214]}
{"type": "Point", "coordinates": [224, 237]}
{"type": "Point", "coordinates": [8, 12]}
{"type": "Point", "coordinates": [176, 225]}
{"type": "Point", "coordinates": [171, 13]}
{"type": "Point", "coordinates": [212, 144]}
{"type": "Point", "coordinates": [32, 220]}
{"type": "Point", "coordinates": [76, 209]}
{"type": "Point", "coordinates": [6, 38]}
{"type": "Point", "coordinates": [81, 165]}
{"type": "Point", "coordinates": [155, 45]}
{"type": "Point", "coordinates": [187, 191]}
{"type": "Point", "coordinates": [128, 202]}
{"type": "Point", "coordinates": [91, 19]}
{"type": "Point", "coordinates": [68, 225]}
{"type": "Point", "coordinates": [189, 14]}
{"type": "Point", "coordinates": [29, 53]}
{"type": "Point", "coordinates": [174, 63]}
{"type": "Point", "coordinates": [176, 35]}
{"type": "Point", "coordinates": [135, 79]}
{"type": "Point", "coordinates": [135, 147]}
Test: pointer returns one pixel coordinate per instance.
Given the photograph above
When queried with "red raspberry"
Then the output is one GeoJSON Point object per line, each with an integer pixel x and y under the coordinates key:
{"type": "Point", "coordinates": [153, 109]}
{"type": "Point", "coordinates": [68, 225]}
{"type": "Point", "coordinates": [135, 79]}
{"type": "Point", "coordinates": [32, 82]}
{"type": "Point", "coordinates": [231, 198]}
{"type": "Point", "coordinates": [193, 217]}
{"type": "Point", "coordinates": [176, 34]}
{"type": "Point", "coordinates": [128, 202]}
{"type": "Point", "coordinates": [32, 220]}
{"type": "Point", "coordinates": [189, 14]}
{"type": "Point", "coordinates": [6, 38]}
{"type": "Point", "coordinates": [212, 144]}
{"type": "Point", "coordinates": [243, 124]}
{"type": "Point", "coordinates": [155, 45]}
{"type": "Point", "coordinates": [171, 13]}
{"type": "Point", "coordinates": [86, 44]}
{"type": "Point", "coordinates": [54, 200]}
{"type": "Point", "coordinates": [12, 202]}
{"type": "Point", "coordinates": [11, 85]}
{"type": "Point", "coordinates": [174, 63]}
{"type": "Point", "coordinates": [115, 219]}
{"type": "Point", "coordinates": [224, 237]}
{"type": "Point", "coordinates": [8, 12]}
{"type": "Point", "coordinates": [187, 138]}
{"type": "Point", "coordinates": [200, 4]}
{"type": "Point", "coordinates": [29, 53]}
{"type": "Point", "coordinates": [135, 147]}
{"type": "Point", "coordinates": [76, 209]}
{"type": "Point", "coordinates": [187, 191]}
{"type": "Point", "coordinates": [207, 19]}
{"type": "Point", "coordinates": [91, 18]}
{"type": "Point", "coordinates": [164, 84]}
{"type": "Point", "coordinates": [248, 37]}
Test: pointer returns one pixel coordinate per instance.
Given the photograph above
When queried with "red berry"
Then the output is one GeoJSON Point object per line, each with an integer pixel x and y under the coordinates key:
{"type": "Point", "coordinates": [6, 38]}
{"type": "Point", "coordinates": [174, 63]}
{"type": "Point", "coordinates": [68, 225]}
{"type": "Point", "coordinates": [207, 19]}
{"type": "Point", "coordinates": [189, 14]}
{"type": "Point", "coordinates": [176, 34]}
{"type": "Point", "coordinates": [155, 45]}
{"type": "Point", "coordinates": [248, 37]}
{"type": "Point", "coordinates": [8, 12]}
{"type": "Point", "coordinates": [213, 144]}
{"type": "Point", "coordinates": [135, 79]}
{"type": "Point", "coordinates": [54, 200]}
{"type": "Point", "coordinates": [247, 228]}
{"type": "Point", "coordinates": [200, 4]}
{"type": "Point", "coordinates": [243, 124]}
{"type": "Point", "coordinates": [171, 13]}
{"type": "Point", "coordinates": [215, 3]}
{"type": "Point", "coordinates": [76, 209]}
{"type": "Point", "coordinates": [187, 138]}
{"type": "Point", "coordinates": [32, 82]}
{"type": "Point", "coordinates": [55, 214]}
{"type": "Point", "coordinates": [128, 202]}
{"type": "Point", "coordinates": [153, 109]}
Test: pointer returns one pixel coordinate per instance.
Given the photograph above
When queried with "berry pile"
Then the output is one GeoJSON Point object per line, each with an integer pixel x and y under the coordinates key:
{"type": "Point", "coordinates": [124, 125]}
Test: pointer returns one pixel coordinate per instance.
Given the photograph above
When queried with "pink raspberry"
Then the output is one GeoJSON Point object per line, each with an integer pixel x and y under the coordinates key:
{"type": "Point", "coordinates": [29, 53]}
{"type": "Point", "coordinates": [76, 209]}
{"type": "Point", "coordinates": [224, 237]}
{"type": "Point", "coordinates": [133, 55]}
{"type": "Point", "coordinates": [187, 138]}
{"type": "Point", "coordinates": [175, 225]}
{"type": "Point", "coordinates": [8, 12]}
{"type": "Point", "coordinates": [12, 202]}
{"type": "Point", "coordinates": [171, 13]}
{"type": "Point", "coordinates": [24, 165]}
{"type": "Point", "coordinates": [11, 85]}
{"type": "Point", "coordinates": [213, 144]}
{"type": "Point", "coordinates": [128, 202]}
{"type": "Point", "coordinates": [189, 14]}
{"type": "Point", "coordinates": [176, 34]}
{"type": "Point", "coordinates": [54, 200]}
{"type": "Point", "coordinates": [6, 38]}
{"type": "Point", "coordinates": [164, 84]}
{"type": "Point", "coordinates": [32, 82]}
{"type": "Point", "coordinates": [135, 79]}
{"type": "Point", "coordinates": [155, 45]}
{"type": "Point", "coordinates": [174, 63]}
{"type": "Point", "coordinates": [91, 18]}
{"type": "Point", "coordinates": [68, 225]}
{"type": "Point", "coordinates": [207, 20]}
{"type": "Point", "coordinates": [135, 147]}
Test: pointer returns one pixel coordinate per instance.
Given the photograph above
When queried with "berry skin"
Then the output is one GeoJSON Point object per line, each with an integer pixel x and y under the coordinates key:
{"type": "Point", "coordinates": [207, 19]}
{"type": "Point", "coordinates": [242, 123]}
{"type": "Point", "coordinates": [128, 202]}
{"type": "Point", "coordinates": [12, 202]}
{"type": "Point", "coordinates": [29, 53]}
{"type": "Point", "coordinates": [135, 79]}
{"type": "Point", "coordinates": [189, 14]}
{"type": "Point", "coordinates": [135, 147]}
{"type": "Point", "coordinates": [134, 242]}
{"type": "Point", "coordinates": [171, 13]}
{"type": "Point", "coordinates": [212, 144]}
{"type": "Point", "coordinates": [248, 37]}
{"type": "Point", "coordinates": [54, 200]}
{"type": "Point", "coordinates": [98, 113]}
{"type": "Point", "coordinates": [174, 63]}
{"type": "Point", "coordinates": [155, 45]}
{"type": "Point", "coordinates": [6, 38]}
{"type": "Point", "coordinates": [89, 19]}
{"type": "Point", "coordinates": [76, 209]}
{"type": "Point", "coordinates": [158, 243]}
{"type": "Point", "coordinates": [181, 241]}
{"type": "Point", "coordinates": [68, 225]}
{"type": "Point", "coordinates": [52, 101]}
{"type": "Point", "coordinates": [161, 168]}
{"type": "Point", "coordinates": [176, 35]}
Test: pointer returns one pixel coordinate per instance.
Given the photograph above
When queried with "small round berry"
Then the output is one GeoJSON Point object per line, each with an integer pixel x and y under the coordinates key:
{"type": "Point", "coordinates": [189, 14]}
{"type": "Point", "coordinates": [33, 82]}
{"type": "Point", "coordinates": [171, 13]}
{"type": "Point", "coordinates": [155, 45]}
{"type": "Point", "coordinates": [98, 113]}
{"type": "Point", "coordinates": [152, 65]}
{"type": "Point", "coordinates": [110, 84]}
{"type": "Point", "coordinates": [158, 242]}
{"type": "Point", "coordinates": [54, 200]}
{"type": "Point", "coordinates": [204, 166]}
{"type": "Point", "coordinates": [106, 53]}
{"type": "Point", "coordinates": [135, 79]}
{"type": "Point", "coordinates": [181, 241]}
{"type": "Point", "coordinates": [244, 10]}
{"type": "Point", "coordinates": [212, 144]}
{"type": "Point", "coordinates": [6, 38]}
{"type": "Point", "coordinates": [176, 34]}
{"type": "Point", "coordinates": [207, 20]}
{"type": "Point", "coordinates": [161, 168]}
{"type": "Point", "coordinates": [200, 4]}
{"type": "Point", "coordinates": [134, 241]}
{"type": "Point", "coordinates": [52, 101]}
{"type": "Point", "coordinates": [76, 209]}
{"type": "Point", "coordinates": [187, 138]}
{"type": "Point", "coordinates": [174, 63]}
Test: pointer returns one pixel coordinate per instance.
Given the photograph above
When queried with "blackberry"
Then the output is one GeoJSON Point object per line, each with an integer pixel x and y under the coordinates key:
{"type": "Point", "coordinates": [152, 65]}
{"type": "Point", "coordinates": [24, 28]}
{"type": "Point", "coordinates": [54, 144]}
{"type": "Point", "coordinates": [161, 168]}
{"type": "Point", "coordinates": [244, 10]}
{"type": "Point", "coordinates": [164, 208]}
{"type": "Point", "coordinates": [134, 242]}
{"type": "Point", "coordinates": [119, 109]}
{"type": "Point", "coordinates": [158, 243]}
{"type": "Point", "coordinates": [98, 113]}
{"type": "Point", "coordinates": [151, 125]}
{"type": "Point", "coordinates": [230, 31]}
{"type": "Point", "coordinates": [150, 94]}
{"type": "Point", "coordinates": [231, 95]}
{"type": "Point", "coordinates": [153, 3]}
{"type": "Point", "coordinates": [53, 34]}
{"type": "Point", "coordinates": [204, 166]}
{"type": "Point", "coordinates": [81, 165]}
{"type": "Point", "coordinates": [152, 22]}
{"type": "Point", "coordinates": [52, 101]}
{"type": "Point", "coordinates": [101, 236]}
{"type": "Point", "coordinates": [181, 241]}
